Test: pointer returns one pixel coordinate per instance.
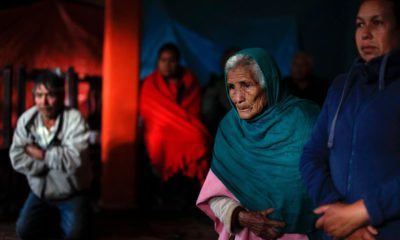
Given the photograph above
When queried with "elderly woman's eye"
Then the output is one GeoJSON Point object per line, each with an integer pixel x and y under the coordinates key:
{"type": "Point", "coordinates": [247, 85]}
{"type": "Point", "coordinates": [231, 86]}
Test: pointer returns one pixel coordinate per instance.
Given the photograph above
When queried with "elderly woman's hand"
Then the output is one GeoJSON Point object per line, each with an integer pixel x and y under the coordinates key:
{"type": "Point", "coordinates": [258, 223]}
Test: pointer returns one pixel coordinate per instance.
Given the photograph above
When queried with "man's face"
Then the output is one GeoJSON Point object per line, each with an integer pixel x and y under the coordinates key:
{"type": "Point", "coordinates": [168, 64]}
{"type": "Point", "coordinates": [376, 30]}
{"type": "Point", "coordinates": [48, 103]}
{"type": "Point", "coordinates": [246, 93]}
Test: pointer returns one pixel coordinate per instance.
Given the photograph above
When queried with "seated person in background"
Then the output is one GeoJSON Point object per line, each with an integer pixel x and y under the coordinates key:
{"type": "Point", "coordinates": [176, 140]}
{"type": "Point", "coordinates": [302, 83]}
{"type": "Point", "coordinates": [50, 147]}
{"type": "Point", "coordinates": [215, 103]}
{"type": "Point", "coordinates": [254, 189]}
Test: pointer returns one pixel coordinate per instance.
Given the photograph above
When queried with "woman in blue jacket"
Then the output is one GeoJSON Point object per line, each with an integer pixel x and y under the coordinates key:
{"type": "Point", "coordinates": [351, 164]}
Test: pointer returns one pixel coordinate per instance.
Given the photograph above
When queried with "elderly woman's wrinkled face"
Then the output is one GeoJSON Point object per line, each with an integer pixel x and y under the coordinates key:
{"type": "Point", "coordinates": [376, 30]}
{"type": "Point", "coordinates": [245, 92]}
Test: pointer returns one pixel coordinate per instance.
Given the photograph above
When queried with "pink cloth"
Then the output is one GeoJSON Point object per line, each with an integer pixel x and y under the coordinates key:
{"type": "Point", "coordinates": [213, 187]}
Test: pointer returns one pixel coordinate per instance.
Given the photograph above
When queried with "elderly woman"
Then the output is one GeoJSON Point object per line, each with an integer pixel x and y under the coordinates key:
{"type": "Point", "coordinates": [351, 165]}
{"type": "Point", "coordinates": [254, 189]}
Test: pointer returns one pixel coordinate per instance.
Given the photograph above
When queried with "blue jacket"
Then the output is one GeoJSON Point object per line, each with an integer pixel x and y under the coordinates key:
{"type": "Point", "coordinates": [354, 150]}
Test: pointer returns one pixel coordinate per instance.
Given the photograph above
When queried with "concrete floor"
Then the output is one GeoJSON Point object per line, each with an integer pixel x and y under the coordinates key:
{"type": "Point", "coordinates": [164, 222]}
{"type": "Point", "coordinates": [124, 225]}
{"type": "Point", "coordinates": [161, 225]}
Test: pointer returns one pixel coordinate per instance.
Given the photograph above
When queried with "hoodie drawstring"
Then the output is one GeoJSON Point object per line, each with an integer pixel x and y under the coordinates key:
{"type": "Point", "coordinates": [333, 125]}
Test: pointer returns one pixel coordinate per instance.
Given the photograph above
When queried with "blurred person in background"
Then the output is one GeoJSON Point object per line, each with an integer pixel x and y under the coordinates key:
{"type": "Point", "coordinates": [303, 83]}
{"type": "Point", "coordinates": [215, 102]}
{"type": "Point", "coordinates": [176, 141]}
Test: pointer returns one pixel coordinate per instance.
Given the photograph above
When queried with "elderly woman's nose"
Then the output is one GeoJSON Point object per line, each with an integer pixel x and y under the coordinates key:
{"type": "Point", "coordinates": [238, 96]}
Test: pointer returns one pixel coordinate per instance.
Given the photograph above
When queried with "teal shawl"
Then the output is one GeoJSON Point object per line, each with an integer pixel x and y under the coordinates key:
{"type": "Point", "coordinates": [258, 159]}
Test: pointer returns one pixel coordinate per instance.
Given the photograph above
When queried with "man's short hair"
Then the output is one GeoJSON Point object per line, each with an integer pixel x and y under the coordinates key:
{"type": "Point", "coordinates": [51, 81]}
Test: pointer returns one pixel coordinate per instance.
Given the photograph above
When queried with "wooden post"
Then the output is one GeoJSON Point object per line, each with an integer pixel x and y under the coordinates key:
{"type": "Point", "coordinates": [21, 90]}
{"type": "Point", "coordinates": [7, 131]}
{"type": "Point", "coordinates": [72, 83]}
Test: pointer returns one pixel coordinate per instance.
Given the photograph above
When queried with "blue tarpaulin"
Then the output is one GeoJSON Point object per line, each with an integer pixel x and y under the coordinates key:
{"type": "Point", "coordinates": [202, 46]}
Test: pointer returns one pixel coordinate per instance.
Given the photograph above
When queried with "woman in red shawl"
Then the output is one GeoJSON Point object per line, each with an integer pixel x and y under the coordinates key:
{"type": "Point", "coordinates": [175, 139]}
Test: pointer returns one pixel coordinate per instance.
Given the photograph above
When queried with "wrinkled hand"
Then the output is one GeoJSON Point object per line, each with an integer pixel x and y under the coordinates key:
{"type": "Point", "coordinates": [258, 223]}
{"type": "Point", "coordinates": [339, 220]}
{"type": "Point", "coordinates": [34, 151]}
{"type": "Point", "coordinates": [364, 233]}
